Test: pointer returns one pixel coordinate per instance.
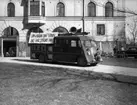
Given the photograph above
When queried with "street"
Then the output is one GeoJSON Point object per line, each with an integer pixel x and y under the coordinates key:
{"type": "Point", "coordinates": [23, 84]}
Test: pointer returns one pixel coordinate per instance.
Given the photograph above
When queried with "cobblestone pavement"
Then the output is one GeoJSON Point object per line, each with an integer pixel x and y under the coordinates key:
{"type": "Point", "coordinates": [26, 82]}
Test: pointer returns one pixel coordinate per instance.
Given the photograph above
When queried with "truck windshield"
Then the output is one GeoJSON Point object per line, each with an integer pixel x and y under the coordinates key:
{"type": "Point", "coordinates": [88, 43]}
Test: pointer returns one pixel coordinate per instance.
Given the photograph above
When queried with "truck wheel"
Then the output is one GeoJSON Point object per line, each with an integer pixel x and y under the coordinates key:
{"type": "Point", "coordinates": [94, 64]}
{"type": "Point", "coordinates": [135, 57]}
{"type": "Point", "coordinates": [81, 61]}
{"type": "Point", "coordinates": [41, 58]}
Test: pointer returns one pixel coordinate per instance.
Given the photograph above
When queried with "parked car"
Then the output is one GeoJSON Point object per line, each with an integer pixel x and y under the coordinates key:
{"type": "Point", "coordinates": [130, 51]}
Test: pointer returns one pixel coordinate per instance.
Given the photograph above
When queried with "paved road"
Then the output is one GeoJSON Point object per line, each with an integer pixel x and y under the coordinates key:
{"type": "Point", "coordinates": [99, 68]}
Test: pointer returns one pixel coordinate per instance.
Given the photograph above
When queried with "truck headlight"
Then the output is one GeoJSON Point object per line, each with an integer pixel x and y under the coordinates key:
{"type": "Point", "coordinates": [88, 52]}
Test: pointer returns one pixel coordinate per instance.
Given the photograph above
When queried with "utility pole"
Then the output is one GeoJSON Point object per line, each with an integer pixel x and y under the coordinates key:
{"type": "Point", "coordinates": [83, 18]}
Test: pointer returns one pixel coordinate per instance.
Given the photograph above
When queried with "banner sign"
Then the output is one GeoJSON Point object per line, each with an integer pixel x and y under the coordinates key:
{"type": "Point", "coordinates": [42, 38]}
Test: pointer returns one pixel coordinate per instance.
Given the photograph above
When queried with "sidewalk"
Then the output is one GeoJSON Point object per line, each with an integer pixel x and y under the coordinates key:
{"type": "Point", "coordinates": [102, 67]}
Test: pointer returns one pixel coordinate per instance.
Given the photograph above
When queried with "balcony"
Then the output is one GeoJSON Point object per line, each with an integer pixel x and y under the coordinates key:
{"type": "Point", "coordinates": [34, 12]}
{"type": "Point", "coordinates": [36, 19]}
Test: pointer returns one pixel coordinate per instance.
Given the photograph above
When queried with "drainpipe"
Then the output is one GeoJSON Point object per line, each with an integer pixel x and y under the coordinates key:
{"type": "Point", "coordinates": [83, 18]}
{"type": "Point", "coordinates": [2, 47]}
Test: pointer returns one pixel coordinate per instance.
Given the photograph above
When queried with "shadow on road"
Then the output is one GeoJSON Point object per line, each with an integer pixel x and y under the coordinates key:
{"type": "Point", "coordinates": [123, 62]}
{"type": "Point", "coordinates": [57, 63]}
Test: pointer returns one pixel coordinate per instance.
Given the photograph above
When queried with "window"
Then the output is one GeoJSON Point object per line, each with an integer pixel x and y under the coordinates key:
{"type": "Point", "coordinates": [60, 9]}
{"type": "Point", "coordinates": [10, 32]}
{"type": "Point", "coordinates": [88, 43]}
{"type": "Point", "coordinates": [43, 9]}
{"type": "Point", "coordinates": [73, 43]}
{"type": "Point", "coordinates": [11, 10]}
{"type": "Point", "coordinates": [100, 29]}
{"type": "Point", "coordinates": [43, 48]}
{"type": "Point", "coordinates": [50, 48]}
{"type": "Point", "coordinates": [34, 8]}
{"type": "Point", "coordinates": [109, 9]}
{"type": "Point", "coordinates": [59, 42]}
{"type": "Point", "coordinates": [91, 9]}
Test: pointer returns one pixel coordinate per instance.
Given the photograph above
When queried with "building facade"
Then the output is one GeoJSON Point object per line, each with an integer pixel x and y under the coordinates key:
{"type": "Point", "coordinates": [18, 18]}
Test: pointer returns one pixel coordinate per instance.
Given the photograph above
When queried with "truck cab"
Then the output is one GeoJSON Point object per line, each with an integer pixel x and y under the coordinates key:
{"type": "Point", "coordinates": [73, 49]}
{"type": "Point", "coordinates": [66, 48]}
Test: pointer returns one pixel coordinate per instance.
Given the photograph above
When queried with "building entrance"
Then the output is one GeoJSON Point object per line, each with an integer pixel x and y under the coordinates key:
{"type": "Point", "coordinates": [9, 42]}
{"type": "Point", "coordinates": [9, 48]}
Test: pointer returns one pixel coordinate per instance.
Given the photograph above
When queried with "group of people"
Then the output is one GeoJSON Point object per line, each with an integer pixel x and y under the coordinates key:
{"type": "Point", "coordinates": [121, 50]}
{"type": "Point", "coordinates": [10, 53]}
{"type": "Point", "coordinates": [96, 54]}
{"type": "Point", "coordinates": [98, 57]}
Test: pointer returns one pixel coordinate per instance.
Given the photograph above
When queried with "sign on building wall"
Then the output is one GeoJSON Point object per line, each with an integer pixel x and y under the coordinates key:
{"type": "Point", "coordinates": [42, 38]}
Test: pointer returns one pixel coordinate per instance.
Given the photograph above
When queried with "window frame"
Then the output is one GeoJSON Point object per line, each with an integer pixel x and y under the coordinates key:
{"type": "Point", "coordinates": [34, 5]}
{"type": "Point", "coordinates": [100, 27]}
{"type": "Point", "coordinates": [109, 11]}
{"type": "Point", "coordinates": [91, 13]}
{"type": "Point", "coordinates": [60, 9]}
{"type": "Point", "coordinates": [73, 43]}
{"type": "Point", "coordinates": [11, 10]}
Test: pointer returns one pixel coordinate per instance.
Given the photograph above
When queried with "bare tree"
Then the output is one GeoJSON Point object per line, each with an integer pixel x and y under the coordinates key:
{"type": "Point", "coordinates": [132, 28]}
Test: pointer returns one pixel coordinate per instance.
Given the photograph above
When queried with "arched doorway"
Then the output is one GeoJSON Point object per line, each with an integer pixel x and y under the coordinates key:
{"type": "Point", "coordinates": [9, 42]}
{"type": "Point", "coordinates": [61, 30]}
{"type": "Point", "coordinates": [34, 29]}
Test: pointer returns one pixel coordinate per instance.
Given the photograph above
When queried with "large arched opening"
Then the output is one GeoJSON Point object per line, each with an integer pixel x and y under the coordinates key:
{"type": "Point", "coordinates": [9, 42]}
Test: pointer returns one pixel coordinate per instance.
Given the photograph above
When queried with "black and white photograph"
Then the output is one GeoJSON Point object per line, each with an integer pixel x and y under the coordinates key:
{"type": "Point", "coordinates": [68, 52]}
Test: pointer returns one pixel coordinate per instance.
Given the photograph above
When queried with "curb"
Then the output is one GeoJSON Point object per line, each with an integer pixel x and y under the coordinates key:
{"type": "Point", "coordinates": [90, 72]}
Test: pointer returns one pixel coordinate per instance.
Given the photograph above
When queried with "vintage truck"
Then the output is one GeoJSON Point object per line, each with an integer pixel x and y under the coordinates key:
{"type": "Point", "coordinates": [66, 48]}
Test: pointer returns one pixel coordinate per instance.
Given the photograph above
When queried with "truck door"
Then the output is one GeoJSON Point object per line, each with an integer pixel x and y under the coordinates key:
{"type": "Point", "coordinates": [58, 50]}
{"type": "Point", "coordinates": [74, 50]}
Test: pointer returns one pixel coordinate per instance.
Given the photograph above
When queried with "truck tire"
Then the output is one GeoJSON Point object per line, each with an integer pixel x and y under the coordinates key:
{"type": "Point", "coordinates": [41, 58]}
{"type": "Point", "coordinates": [81, 61]}
{"type": "Point", "coordinates": [94, 64]}
{"type": "Point", "coordinates": [135, 57]}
